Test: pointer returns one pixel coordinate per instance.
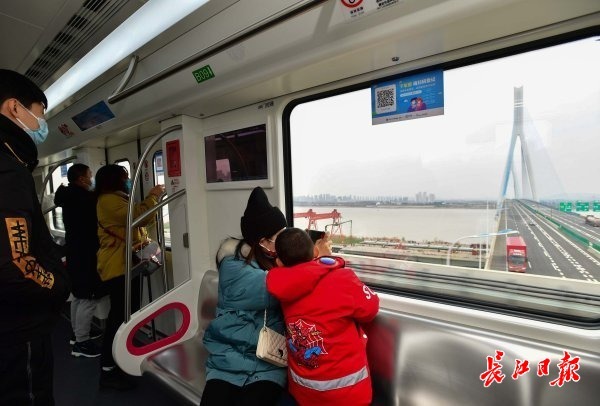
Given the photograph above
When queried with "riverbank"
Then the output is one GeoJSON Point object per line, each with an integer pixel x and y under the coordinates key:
{"type": "Point", "coordinates": [459, 256]}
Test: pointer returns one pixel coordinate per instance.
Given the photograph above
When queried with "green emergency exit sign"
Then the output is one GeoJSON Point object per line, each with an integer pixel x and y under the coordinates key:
{"type": "Point", "coordinates": [204, 73]}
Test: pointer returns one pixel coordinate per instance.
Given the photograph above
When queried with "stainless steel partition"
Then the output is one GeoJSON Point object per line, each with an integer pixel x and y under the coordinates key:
{"type": "Point", "coordinates": [134, 222]}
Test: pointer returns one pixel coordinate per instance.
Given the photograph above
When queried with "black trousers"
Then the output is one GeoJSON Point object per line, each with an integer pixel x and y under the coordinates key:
{"type": "Point", "coordinates": [26, 373]}
{"type": "Point", "coordinates": [222, 393]}
{"type": "Point", "coordinates": [116, 290]}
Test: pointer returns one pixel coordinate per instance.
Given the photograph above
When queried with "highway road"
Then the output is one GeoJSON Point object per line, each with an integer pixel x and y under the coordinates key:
{"type": "Point", "coordinates": [574, 221]}
{"type": "Point", "coordinates": [550, 252]}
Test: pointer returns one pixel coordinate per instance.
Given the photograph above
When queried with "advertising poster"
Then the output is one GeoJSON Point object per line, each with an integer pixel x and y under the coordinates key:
{"type": "Point", "coordinates": [408, 97]}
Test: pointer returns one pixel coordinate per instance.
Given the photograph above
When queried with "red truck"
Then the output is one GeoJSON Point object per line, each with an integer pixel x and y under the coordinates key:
{"type": "Point", "coordinates": [516, 254]}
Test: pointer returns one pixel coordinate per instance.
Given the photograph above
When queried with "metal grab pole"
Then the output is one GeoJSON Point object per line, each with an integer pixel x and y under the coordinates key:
{"type": "Point", "coordinates": [163, 202]}
{"type": "Point", "coordinates": [53, 167]}
{"type": "Point", "coordinates": [48, 210]}
{"type": "Point", "coordinates": [161, 236]}
{"type": "Point", "coordinates": [128, 227]}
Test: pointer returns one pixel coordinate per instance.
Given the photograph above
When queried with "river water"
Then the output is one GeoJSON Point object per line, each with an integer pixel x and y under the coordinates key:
{"type": "Point", "coordinates": [412, 223]}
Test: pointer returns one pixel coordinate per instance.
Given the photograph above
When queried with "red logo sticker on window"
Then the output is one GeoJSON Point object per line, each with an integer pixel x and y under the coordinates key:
{"type": "Point", "coordinates": [351, 3]}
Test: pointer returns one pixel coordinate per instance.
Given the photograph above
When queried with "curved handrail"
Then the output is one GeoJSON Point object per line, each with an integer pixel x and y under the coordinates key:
{"type": "Point", "coordinates": [49, 175]}
{"type": "Point", "coordinates": [129, 226]}
{"type": "Point", "coordinates": [163, 201]}
{"type": "Point", "coordinates": [128, 75]}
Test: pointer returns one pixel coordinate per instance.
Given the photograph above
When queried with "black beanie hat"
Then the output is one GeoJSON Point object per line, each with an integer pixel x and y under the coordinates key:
{"type": "Point", "coordinates": [261, 219]}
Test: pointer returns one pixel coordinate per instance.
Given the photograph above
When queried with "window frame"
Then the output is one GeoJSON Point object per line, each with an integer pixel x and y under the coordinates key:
{"type": "Point", "coordinates": [164, 209]}
{"type": "Point", "coordinates": [53, 213]}
{"type": "Point", "coordinates": [522, 296]}
{"type": "Point", "coordinates": [120, 161]}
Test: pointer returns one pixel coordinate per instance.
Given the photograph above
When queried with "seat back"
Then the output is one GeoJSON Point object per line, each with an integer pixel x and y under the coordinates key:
{"type": "Point", "coordinates": [207, 300]}
{"type": "Point", "coordinates": [180, 369]}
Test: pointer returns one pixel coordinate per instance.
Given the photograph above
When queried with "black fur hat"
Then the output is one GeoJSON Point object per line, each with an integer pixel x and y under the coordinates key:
{"type": "Point", "coordinates": [261, 219]}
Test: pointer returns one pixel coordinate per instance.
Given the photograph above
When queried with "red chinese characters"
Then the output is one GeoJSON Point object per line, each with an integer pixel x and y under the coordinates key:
{"type": "Point", "coordinates": [494, 370]}
{"type": "Point", "coordinates": [568, 370]}
{"type": "Point", "coordinates": [567, 366]}
{"type": "Point", "coordinates": [543, 367]}
{"type": "Point", "coordinates": [521, 367]}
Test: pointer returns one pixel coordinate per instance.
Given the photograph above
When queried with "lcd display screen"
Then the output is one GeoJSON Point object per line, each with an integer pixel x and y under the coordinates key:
{"type": "Point", "coordinates": [238, 155]}
{"type": "Point", "coordinates": [98, 114]}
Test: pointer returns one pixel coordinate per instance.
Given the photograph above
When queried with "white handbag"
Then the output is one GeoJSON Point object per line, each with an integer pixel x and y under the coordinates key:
{"type": "Point", "coordinates": [271, 346]}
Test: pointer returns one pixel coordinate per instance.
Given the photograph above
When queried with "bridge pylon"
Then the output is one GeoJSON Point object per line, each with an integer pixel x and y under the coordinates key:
{"type": "Point", "coordinates": [527, 175]}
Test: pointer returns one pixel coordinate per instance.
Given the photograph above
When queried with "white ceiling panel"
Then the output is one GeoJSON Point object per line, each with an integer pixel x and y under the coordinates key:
{"type": "Point", "coordinates": [39, 37]}
{"type": "Point", "coordinates": [34, 12]}
{"type": "Point", "coordinates": [16, 40]}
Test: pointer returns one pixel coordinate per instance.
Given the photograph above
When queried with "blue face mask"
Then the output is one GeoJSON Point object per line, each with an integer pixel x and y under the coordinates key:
{"type": "Point", "coordinates": [38, 136]}
{"type": "Point", "coordinates": [128, 185]}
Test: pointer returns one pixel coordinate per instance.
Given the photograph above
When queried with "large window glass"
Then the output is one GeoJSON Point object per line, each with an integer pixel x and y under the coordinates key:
{"type": "Point", "coordinates": [503, 181]}
{"type": "Point", "coordinates": [59, 177]}
{"type": "Point", "coordinates": [125, 164]}
{"type": "Point", "coordinates": [159, 179]}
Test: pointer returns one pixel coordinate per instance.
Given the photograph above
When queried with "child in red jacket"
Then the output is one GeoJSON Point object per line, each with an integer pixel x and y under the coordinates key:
{"type": "Point", "coordinates": [323, 303]}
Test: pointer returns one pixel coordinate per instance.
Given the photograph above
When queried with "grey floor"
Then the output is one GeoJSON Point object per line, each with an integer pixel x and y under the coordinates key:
{"type": "Point", "coordinates": [76, 380]}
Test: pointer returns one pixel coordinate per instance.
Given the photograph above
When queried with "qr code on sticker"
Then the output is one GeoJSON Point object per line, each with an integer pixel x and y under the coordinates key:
{"type": "Point", "coordinates": [385, 99]}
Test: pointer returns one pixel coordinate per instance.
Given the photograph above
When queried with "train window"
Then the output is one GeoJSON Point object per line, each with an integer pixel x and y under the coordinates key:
{"type": "Point", "coordinates": [497, 189]}
{"type": "Point", "coordinates": [125, 164]}
{"type": "Point", "coordinates": [159, 179]}
{"type": "Point", "coordinates": [59, 177]}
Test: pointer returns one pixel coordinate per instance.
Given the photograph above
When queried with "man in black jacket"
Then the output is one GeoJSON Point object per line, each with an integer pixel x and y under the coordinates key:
{"type": "Point", "coordinates": [33, 282]}
{"type": "Point", "coordinates": [78, 204]}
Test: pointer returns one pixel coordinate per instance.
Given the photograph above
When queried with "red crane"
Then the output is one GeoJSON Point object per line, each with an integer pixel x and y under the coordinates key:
{"type": "Point", "coordinates": [312, 217]}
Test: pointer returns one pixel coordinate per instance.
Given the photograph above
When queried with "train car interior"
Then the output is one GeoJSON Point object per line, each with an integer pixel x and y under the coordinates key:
{"type": "Point", "coordinates": [420, 135]}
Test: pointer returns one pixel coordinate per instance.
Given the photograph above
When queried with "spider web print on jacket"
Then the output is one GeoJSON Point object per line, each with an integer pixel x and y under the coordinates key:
{"type": "Point", "coordinates": [305, 343]}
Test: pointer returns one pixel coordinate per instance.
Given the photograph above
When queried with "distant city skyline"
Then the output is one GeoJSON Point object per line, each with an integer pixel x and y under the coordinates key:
{"type": "Point", "coordinates": [329, 198]}
{"type": "Point", "coordinates": [462, 154]}
{"type": "Point", "coordinates": [421, 197]}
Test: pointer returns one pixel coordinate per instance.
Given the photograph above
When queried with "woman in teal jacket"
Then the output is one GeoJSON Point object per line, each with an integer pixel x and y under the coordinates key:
{"type": "Point", "coordinates": [234, 375]}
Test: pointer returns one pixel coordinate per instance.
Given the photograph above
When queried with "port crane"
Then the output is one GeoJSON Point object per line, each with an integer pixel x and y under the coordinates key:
{"type": "Point", "coordinates": [334, 215]}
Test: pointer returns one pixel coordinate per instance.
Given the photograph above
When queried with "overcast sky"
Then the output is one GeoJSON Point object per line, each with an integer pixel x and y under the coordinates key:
{"type": "Point", "coordinates": [462, 154]}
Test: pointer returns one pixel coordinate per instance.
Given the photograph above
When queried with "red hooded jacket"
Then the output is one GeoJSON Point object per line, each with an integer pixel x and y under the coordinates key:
{"type": "Point", "coordinates": [322, 303]}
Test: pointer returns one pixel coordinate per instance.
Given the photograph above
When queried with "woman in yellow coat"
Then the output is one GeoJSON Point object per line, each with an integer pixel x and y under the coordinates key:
{"type": "Point", "coordinates": [113, 186]}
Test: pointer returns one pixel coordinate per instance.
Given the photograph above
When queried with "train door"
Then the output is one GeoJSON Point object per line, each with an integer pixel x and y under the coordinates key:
{"type": "Point", "coordinates": [172, 160]}
{"type": "Point", "coordinates": [55, 176]}
{"type": "Point", "coordinates": [153, 172]}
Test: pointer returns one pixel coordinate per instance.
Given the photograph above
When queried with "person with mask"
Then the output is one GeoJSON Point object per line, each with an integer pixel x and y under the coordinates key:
{"type": "Point", "coordinates": [78, 203]}
{"type": "Point", "coordinates": [112, 188]}
{"type": "Point", "coordinates": [33, 282]}
{"type": "Point", "coordinates": [234, 375]}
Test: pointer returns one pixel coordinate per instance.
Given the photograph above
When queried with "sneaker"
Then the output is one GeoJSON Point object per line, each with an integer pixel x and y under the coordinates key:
{"type": "Point", "coordinates": [72, 340]}
{"type": "Point", "coordinates": [85, 349]}
{"type": "Point", "coordinates": [116, 379]}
